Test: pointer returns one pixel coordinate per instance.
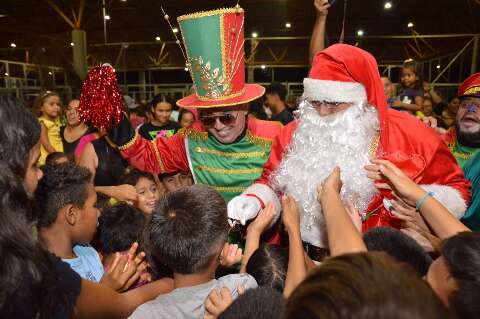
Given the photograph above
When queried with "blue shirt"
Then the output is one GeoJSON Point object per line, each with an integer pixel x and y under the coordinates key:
{"type": "Point", "coordinates": [87, 264]}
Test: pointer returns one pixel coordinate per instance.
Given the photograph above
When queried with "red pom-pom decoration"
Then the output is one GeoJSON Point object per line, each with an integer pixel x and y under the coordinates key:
{"type": "Point", "coordinates": [101, 103]}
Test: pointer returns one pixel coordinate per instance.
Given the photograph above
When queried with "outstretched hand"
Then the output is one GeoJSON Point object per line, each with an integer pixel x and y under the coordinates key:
{"type": "Point", "coordinates": [217, 302]}
{"type": "Point", "coordinates": [125, 270]}
{"type": "Point", "coordinates": [331, 183]}
{"type": "Point", "coordinates": [263, 220]}
{"type": "Point", "coordinates": [231, 255]}
{"type": "Point", "coordinates": [291, 214]}
{"type": "Point", "coordinates": [396, 180]}
{"type": "Point", "coordinates": [322, 7]}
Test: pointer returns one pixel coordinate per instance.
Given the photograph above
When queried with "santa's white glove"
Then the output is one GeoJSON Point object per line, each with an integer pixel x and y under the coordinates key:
{"type": "Point", "coordinates": [243, 208]}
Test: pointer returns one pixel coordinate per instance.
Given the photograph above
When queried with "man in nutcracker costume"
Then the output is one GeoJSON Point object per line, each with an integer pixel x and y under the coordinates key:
{"type": "Point", "coordinates": [226, 149]}
{"type": "Point", "coordinates": [344, 121]}
{"type": "Point", "coordinates": [464, 142]}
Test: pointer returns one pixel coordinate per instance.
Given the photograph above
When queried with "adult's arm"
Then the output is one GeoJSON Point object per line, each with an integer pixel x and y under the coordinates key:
{"type": "Point", "coordinates": [317, 42]}
{"type": "Point", "coordinates": [438, 217]}
{"type": "Point", "coordinates": [343, 237]}
{"type": "Point", "coordinates": [89, 159]}
{"type": "Point", "coordinates": [158, 156]}
{"type": "Point", "coordinates": [97, 301]}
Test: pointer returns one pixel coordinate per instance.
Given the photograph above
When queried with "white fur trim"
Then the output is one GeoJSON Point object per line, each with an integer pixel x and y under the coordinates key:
{"type": "Point", "coordinates": [266, 194]}
{"type": "Point", "coordinates": [448, 197]}
{"type": "Point", "coordinates": [333, 91]}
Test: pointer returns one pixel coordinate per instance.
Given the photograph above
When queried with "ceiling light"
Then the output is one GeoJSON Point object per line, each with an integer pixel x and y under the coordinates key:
{"type": "Point", "coordinates": [438, 66]}
{"type": "Point", "coordinates": [123, 0]}
{"type": "Point", "coordinates": [175, 30]}
{"type": "Point", "coordinates": [360, 33]}
{"type": "Point", "coordinates": [263, 66]}
{"type": "Point", "coordinates": [254, 35]}
{"type": "Point", "coordinates": [50, 73]}
{"type": "Point", "coordinates": [6, 74]}
{"type": "Point", "coordinates": [13, 45]}
{"type": "Point", "coordinates": [72, 44]}
{"type": "Point", "coordinates": [107, 17]}
{"type": "Point", "coordinates": [186, 69]}
{"type": "Point", "coordinates": [157, 38]}
{"type": "Point", "coordinates": [288, 25]}
{"type": "Point", "coordinates": [410, 25]}
{"type": "Point", "coordinates": [388, 5]}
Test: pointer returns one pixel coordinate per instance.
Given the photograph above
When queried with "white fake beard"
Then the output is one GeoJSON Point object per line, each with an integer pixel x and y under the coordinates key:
{"type": "Point", "coordinates": [319, 144]}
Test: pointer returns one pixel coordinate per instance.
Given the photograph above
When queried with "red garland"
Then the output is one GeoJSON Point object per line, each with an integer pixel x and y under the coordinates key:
{"type": "Point", "coordinates": [101, 103]}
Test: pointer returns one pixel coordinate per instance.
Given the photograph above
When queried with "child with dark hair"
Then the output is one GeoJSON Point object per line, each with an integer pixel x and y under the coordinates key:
{"type": "Point", "coordinates": [268, 265]}
{"type": "Point", "coordinates": [398, 245]}
{"type": "Point", "coordinates": [67, 221]}
{"type": "Point", "coordinates": [275, 100]}
{"type": "Point", "coordinates": [187, 232]}
{"type": "Point", "coordinates": [147, 190]}
{"type": "Point", "coordinates": [410, 95]}
{"type": "Point", "coordinates": [364, 285]}
{"type": "Point", "coordinates": [261, 302]}
{"type": "Point", "coordinates": [119, 227]}
{"type": "Point", "coordinates": [161, 108]}
{"type": "Point", "coordinates": [176, 180]}
{"type": "Point", "coordinates": [56, 158]}
{"type": "Point", "coordinates": [186, 118]}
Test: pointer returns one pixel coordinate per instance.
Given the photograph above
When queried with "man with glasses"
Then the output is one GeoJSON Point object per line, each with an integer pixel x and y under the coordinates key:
{"type": "Point", "coordinates": [226, 149]}
{"type": "Point", "coordinates": [344, 121]}
{"type": "Point", "coordinates": [464, 143]}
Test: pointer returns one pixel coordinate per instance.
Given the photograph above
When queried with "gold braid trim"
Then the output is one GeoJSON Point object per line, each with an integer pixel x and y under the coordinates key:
{"type": "Point", "coordinates": [129, 143]}
{"type": "Point", "coordinates": [374, 145]}
{"type": "Point", "coordinates": [157, 155]}
{"type": "Point", "coordinates": [209, 151]}
{"type": "Point", "coordinates": [462, 155]}
{"type": "Point", "coordinates": [227, 189]}
{"type": "Point", "coordinates": [259, 141]}
{"type": "Point", "coordinates": [193, 134]}
{"type": "Point", "coordinates": [229, 171]}
{"type": "Point", "coordinates": [201, 14]}
{"type": "Point", "coordinates": [472, 91]}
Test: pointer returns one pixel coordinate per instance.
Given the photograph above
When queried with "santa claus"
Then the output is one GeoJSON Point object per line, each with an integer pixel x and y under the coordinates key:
{"type": "Point", "coordinates": [343, 120]}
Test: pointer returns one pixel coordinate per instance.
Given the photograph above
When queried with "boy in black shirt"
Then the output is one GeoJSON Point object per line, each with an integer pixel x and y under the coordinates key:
{"type": "Point", "coordinates": [275, 96]}
{"type": "Point", "coordinates": [161, 108]}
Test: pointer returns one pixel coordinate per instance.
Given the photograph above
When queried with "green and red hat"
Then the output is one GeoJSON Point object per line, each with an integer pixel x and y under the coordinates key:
{"type": "Point", "coordinates": [214, 43]}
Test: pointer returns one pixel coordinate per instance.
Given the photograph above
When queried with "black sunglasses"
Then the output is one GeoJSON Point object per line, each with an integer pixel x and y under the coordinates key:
{"type": "Point", "coordinates": [226, 119]}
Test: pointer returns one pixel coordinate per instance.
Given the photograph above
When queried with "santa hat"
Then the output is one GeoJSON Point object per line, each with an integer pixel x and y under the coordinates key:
{"type": "Point", "coordinates": [471, 86]}
{"type": "Point", "coordinates": [343, 73]}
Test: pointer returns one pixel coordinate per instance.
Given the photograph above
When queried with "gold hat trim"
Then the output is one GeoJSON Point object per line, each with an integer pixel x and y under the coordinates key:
{"type": "Point", "coordinates": [179, 103]}
{"type": "Point", "coordinates": [201, 14]}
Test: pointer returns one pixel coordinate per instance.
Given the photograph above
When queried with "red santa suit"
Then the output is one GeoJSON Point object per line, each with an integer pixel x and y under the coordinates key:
{"type": "Point", "coordinates": [344, 73]}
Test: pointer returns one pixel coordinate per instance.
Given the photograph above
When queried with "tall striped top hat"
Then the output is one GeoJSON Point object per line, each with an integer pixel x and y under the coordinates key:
{"type": "Point", "coordinates": [214, 43]}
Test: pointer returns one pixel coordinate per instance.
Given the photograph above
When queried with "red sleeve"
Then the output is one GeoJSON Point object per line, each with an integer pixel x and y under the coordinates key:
{"type": "Point", "coordinates": [162, 155]}
{"type": "Point", "coordinates": [279, 146]}
{"type": "Point", "coordinates": [442, 169]}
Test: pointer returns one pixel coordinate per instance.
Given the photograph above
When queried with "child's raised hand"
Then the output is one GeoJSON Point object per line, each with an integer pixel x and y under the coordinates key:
{"type": "Point", "coordinates": [331, 183]}
{"type": "Point", "coordinates": [120, 274]}
{"type": "Point", "coordinates": [354, 215]}
{"type": "Point", "coordinates": [231, 255]}
{"type": "Point", "coordinates": [263, 220]}
{"type": "Point", "coordinates": [217, 302]}
{"type": "Point", "coordinates": [401, 184]}
{"type": "Point", "coordinates": [291, 215]}
{"type": "Point", "coordinates": [125, 193]}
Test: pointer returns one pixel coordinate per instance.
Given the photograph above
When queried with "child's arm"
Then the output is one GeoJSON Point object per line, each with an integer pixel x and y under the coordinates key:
{"type": "Point", "coordinates": [443, 223]}
{"type": "Point", "coordinates": [254, 231]}
{"type": "Point", "coordinates": [122, 193]}
{"type": "Point", "coordinates": [44, 139]}
{"type": "Point", "coordinates": [98, 301]}
{"type": "Point", "coordinates": [343, 237]}
{"type": "Point", "coordinates": [297, 270]}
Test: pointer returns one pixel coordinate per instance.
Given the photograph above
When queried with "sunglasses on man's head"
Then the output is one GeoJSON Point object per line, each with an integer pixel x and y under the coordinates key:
{"type": "Point", "coordinates": [225, 118]}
